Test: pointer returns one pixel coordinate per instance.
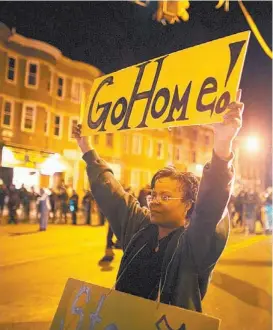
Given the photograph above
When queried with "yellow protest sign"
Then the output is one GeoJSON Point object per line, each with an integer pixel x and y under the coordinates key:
{"type": "Point", "coordinates": [188, 87]}
{"type": "Point", "coordinates": [85, 306]}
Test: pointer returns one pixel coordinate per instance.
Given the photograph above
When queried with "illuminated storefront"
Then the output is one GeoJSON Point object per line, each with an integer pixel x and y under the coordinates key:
{"type": "Point", "coordinates": [33, 168]}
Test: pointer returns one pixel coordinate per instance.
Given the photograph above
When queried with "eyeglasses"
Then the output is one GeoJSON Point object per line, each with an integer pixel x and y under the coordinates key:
{"type": "Point", "coordinates": [160, 198]}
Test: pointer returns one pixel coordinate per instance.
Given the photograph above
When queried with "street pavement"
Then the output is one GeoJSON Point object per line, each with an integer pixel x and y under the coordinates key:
{"type": "Point", "coordinates": [34, 267]}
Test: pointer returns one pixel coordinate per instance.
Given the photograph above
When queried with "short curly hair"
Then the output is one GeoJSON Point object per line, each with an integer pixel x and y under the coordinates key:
{"type": "Point", "coordinates": [189, 183]}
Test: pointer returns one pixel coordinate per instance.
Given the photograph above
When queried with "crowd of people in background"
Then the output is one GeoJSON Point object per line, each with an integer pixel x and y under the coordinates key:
{"type": "Point", "coordinates": [249, 208]}
{"type": "Point", "coordinates": [246, 208]}
{"type": "Point", "coordinates": [45, 205]}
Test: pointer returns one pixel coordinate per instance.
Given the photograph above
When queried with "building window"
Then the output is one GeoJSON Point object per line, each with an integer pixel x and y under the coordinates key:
{"type": "Point", "coordinates": [49, 85]}
{"type": "Point", "coordinates": [73, 122]}
{"type": "Point", "coordinates": [207, 140]}
{"type": "Point", "coordinates": [28, 122]}
{"type": "Point", "coordinates": [150, 148]}
{"type": "Point", "coordinates": [96, 139]}
{"type": "Point", "coordinates": [60, 90]}
{"type": "Point", "coordinates": [135, 179]}
{"type": "Point", "coordinates": [109, 140]}
{"type": "Point", "coordinates": [159, 150]}
{"type": "Point", "coordinates": [7, 114]}
{"type": "Point", "coordinates": [178, 154]}
{"type": "Point", "coordinates": [193, 156]}
{"type": "Point", "coordinates": [57, 126]}
{"type": "Point", "coordinates": [194, 135]}
{"type": "Point", "coordinates": [147, 177]}
{"type": "Point", "coordinates": [179, 132]}
{"type": "Point", "coordinates": [76, 91]}
{"type": "Point", "coordinates": [47, 123]}
{"type": "Point", "coordinates": [11, 69]}
{"type": "Point", "coordinates": [137, 140]}
{"type": "Point", "coordinates": [170, 152]}
{"type": "Point", "coordinates": [126, 142]}
{"type": "Point", "coordinates": [32, 74]}
{"type": "Point", "coordinates": [50, 82]}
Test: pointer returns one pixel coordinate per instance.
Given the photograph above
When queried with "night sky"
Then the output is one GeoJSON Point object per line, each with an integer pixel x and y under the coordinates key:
{"type": "Point", "coordinates": [113, 35]}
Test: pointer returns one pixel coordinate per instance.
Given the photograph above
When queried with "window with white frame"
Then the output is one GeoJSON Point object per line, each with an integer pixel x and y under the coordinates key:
{"type": "Point", "coordinates": [76, 91]}
{"type": "Point", "coordinates": [47, 122]}
{"type": "Point", "coordinates": [7, 114]}
{"type": "Point", "coordinates": [96, 139]}
{"type": "Point", "coordinates": [11, 69]}
{"type": "Point", "coordinates": [57, 129]}
{"type": "Point", "coordinates": [109, 140]}
{"type": "Point", "coordinates": [49, 85]}
{"type": "Point", "coordinates": [126, 142]}
{"type": "Point", "coordinates": [207, 140]}
{"type": "Point", "coordinates": [50, 82]}
{"type": "Point", "coordinates": [195, 135]}
{"type": "Point", "coordinates": [147, 177]}
{"type": "Point", "coordinates": [159, 150]}
{"type": "Point", "coordinates": [73, 122]}
{"type": "Point", "coordinates": [32, 74]}
{"type": "Point", "coordinates": [150, 148]}
{"type": "Point", "coordinates": [178, 154]}
{"type": "Point", "coordinates": [193, 156]}
{"type": "Point", "coordinates": [29, 115]}
{"type": "Point", "coordinates": [60, 88]}
{"type": "Point", "coordinates": [135, 179]}
{"type": "Point", "coordinates": [170, 152]}
{"type": "Point", "coordinates": [137, 141]}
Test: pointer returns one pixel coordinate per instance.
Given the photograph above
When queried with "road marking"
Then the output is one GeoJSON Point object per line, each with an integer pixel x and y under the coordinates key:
{"type": "Point", "coordinates": [245, 243]}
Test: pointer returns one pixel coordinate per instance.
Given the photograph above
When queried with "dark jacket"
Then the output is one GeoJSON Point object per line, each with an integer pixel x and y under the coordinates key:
{"type": "Point", "coordinates": [3, 194]}
{"type": "Point", "coordinates": [14, 199]}
{"type": "Point", "coordinates": [191, 253]}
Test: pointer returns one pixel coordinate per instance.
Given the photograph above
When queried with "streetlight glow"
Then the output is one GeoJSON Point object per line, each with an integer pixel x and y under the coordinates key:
{"type": "Point", "coordinates": [252, 143]}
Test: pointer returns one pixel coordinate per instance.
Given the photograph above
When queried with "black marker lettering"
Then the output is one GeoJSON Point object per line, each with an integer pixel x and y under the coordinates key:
{"type": "Point", "coordinates": [165, 94]}
{"type": "Point", "coordinates": [179, 104]}
{"type": "Point", "coordinates": [117, 119]}
{"type": "Point", "coordinates": [142, 95]}
{"type": "Point", "coordinates": [222, 103]}
{"type": "Point", "coordinates": [207, 90]}
{"type": "Point", "coordinates": [105, 106]}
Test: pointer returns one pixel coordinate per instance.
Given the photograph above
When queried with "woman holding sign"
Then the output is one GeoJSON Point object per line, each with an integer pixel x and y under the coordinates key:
{"type": "Point", "coordinates": [165, 259]}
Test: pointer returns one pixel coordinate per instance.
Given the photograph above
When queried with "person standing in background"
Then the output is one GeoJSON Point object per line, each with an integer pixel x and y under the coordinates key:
{"type": "Point", "coordinates": [239, 208]}
{"type": "Point", "coordinates": [3, 194]}
{"type": "Point", "coordinates": [73, 206]}
{"type": "Point", "coordinates": [33, 201]}
{"type": "Point", "coordinates": [87, 206]}
{"type": "Point", "coordinates": [52, 200]}
{"type": "Point", "coordinates": [110, 245]}
{"type": "Point", "coordinates": [13, 203]}
{"type": "Point", "coordinates": [250, 210]}
{"type": "Point", "coordinates": [268, 212]}
{"type": "Point", "coordinates": [44, 209]}
{"type": "Point", "coordinates": [64, 204]}
{"type": "Point", "coordinates": [24, 199]}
